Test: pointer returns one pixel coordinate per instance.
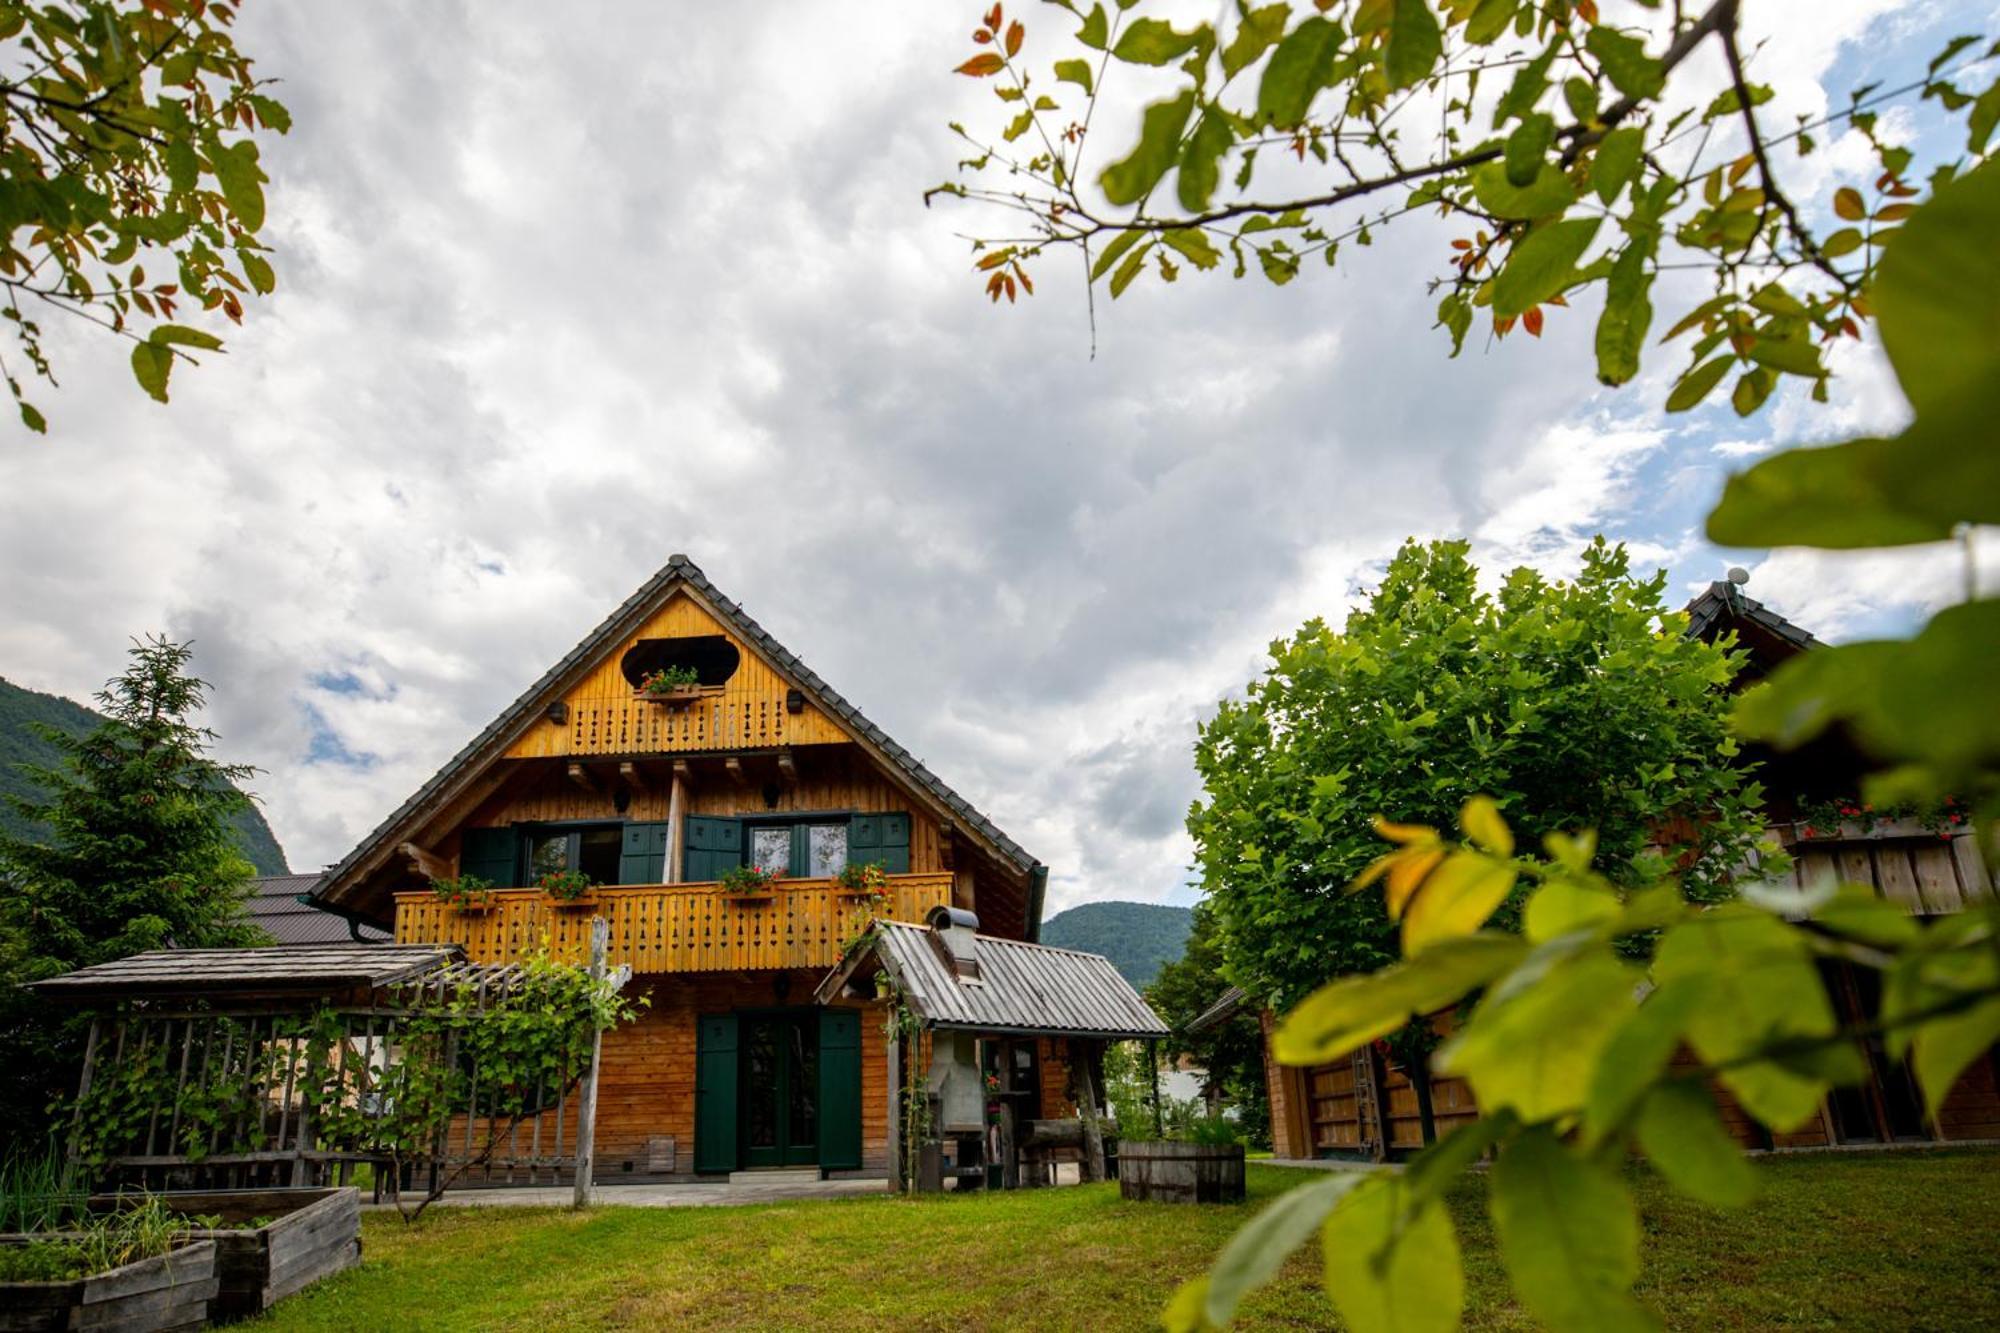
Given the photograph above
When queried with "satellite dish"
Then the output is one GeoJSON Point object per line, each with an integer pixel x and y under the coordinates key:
{"type": "Point", "coordinates": [1738, 575]}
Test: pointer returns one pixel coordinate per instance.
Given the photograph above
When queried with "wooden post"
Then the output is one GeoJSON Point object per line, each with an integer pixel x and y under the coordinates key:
{"type": "Point", "coordinates": [676, 819]}
{"type": "Point", "coordinates": [895, 1059]}
{"type": "Point", "coordinates": [1086, 1105]}
{"type": "Point", "coordinates": [1153, 1064]}
{"type": "Point", "coordinates": [586, 1111]}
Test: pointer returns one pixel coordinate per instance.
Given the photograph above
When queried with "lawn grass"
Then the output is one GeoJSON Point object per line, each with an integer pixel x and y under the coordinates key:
{"type": "Point", "coordinates": [1902, 1240]}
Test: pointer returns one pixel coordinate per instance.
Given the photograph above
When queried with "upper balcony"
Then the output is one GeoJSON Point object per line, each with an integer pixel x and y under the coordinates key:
{"type": "Point", "coordinates": [674, 927]}
{"type": "Point", "coordinates": [610, 718]}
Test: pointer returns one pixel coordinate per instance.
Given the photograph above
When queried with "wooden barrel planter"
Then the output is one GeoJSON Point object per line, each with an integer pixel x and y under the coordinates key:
{"type": "Point", "coordinates": [167, 1292]}
{"type": "Point", "coordinates": [1167, 1172]}
{"type": "Point", "coordinates": [304, 1235]}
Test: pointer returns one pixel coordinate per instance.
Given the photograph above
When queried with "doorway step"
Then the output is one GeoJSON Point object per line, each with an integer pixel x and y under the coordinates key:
{"type": "Point", "coordinates": [776, 1175]}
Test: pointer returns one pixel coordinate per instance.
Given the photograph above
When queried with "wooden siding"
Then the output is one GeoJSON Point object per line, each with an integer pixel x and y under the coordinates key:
{"type": "Point", "coordinates": [1924, 873]}
{"type": "Point", "coordinates": [748, 712]}
{"type": "Point", "coordinates": [674, 927]}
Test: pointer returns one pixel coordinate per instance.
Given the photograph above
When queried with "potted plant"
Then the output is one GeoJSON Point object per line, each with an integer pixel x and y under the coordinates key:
{"type": "Point", "coordinates": [750, 882]}
{"type": "Point", "coordinates": [468, 895]}
{"type": "Point", "coordinates": [869, 882]}
{"type": "Point", "coordinates": [568, 888]}
{"type": "Point", "coordinates": [670, 685]}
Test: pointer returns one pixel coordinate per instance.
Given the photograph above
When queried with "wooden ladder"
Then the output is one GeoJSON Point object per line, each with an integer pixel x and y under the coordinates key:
{"type": "Point", "coordinates": [1368, 1105]}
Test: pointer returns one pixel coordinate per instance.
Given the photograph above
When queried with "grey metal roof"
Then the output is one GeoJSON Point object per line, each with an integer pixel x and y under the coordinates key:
{"type": "Point", "coordinates": [280, 969]}
{"type": "Point", "coordinates": [276, 904]}
{"type": "Point", "coordinates": [1023, 988]}
{"type": "Point", "coordinates": [1723, 602]}
{"type": "Point", "coordinates": [683, 570]}
{"type": "Point", "coordinates": [1227, 1005]}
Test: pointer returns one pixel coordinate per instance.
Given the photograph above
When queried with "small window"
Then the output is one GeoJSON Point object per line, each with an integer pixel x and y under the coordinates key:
{"type": "Point", "coordinates": [597, 852]}
{"type": "Point", "coordinates": [771, 849]}
{"type": "Point", "coordinates": [711, 657]}
{"type": "Point", "coordinates": [826, 850]}
{"type": "Point", "coordinates": [595, 849]}
{"type": "Point", "coordinates": [547, 853]}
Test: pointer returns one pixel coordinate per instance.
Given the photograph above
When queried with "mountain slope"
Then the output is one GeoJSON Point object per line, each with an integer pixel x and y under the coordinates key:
{"type": "Point", "coordinates": [1138, 938]}
{"type": "Point", "coordinates": [20, 744]}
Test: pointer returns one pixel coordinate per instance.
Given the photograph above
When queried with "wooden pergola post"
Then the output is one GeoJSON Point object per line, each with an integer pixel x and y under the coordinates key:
{"type": "Point", "coordinates": [1086, 1106]}
{"type": "Point", "coordinates": [586, 1111]}
{"type": "Point", "coordinates": [895, 1061]}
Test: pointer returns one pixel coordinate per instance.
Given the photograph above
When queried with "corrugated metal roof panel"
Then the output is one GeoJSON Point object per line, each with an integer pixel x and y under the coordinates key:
{"type": "Point", "coordinates": [274, 905]}
{"type": "Point", "coordinates": [283, 969]}
{"type": "Point", "coordinates": [1022, 988]}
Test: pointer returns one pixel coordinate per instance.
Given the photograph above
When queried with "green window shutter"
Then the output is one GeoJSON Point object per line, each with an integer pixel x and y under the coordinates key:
{"type": "Point", "coordinates": [643, 859]}
{"type": "Point", "coordinates": [491, 854]}
{"type": "Point", "coordinates": [713, 845]}
{"type": "Point", "coordinates": [839, 1090]}
{"type": "Point", "coordinates": [864, 839]}
{"type": "Point", "coordinates": [895, 855]}
{"type": "Point", "coordinates": [715, 1093]}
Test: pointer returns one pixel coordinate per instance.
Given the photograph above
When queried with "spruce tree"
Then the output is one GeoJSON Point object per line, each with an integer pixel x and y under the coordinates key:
{"type": "Point", "coordinates": [134, 852]}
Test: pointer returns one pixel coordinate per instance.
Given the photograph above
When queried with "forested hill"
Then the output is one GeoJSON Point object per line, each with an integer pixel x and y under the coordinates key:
{"type": "Point", "coordinates": [20, 744]}
{"type": "Point", "coordinates": [1138, 938]}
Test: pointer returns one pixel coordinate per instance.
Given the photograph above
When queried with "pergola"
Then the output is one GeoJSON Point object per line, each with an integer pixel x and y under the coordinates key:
{"type": "Point", "coordinates": [242, 1054]}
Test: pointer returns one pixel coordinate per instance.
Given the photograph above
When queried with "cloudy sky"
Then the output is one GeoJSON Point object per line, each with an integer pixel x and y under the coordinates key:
{"type": "Point", "coordinates": [565, 289]}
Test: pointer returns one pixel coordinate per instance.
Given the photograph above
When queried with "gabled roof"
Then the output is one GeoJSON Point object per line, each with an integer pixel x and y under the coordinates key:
{"type": "Point", "coordinates": [1724, 603]}
{"type": "Point", "coordinates": [1022, 988]}
{"type": "Point", "coordinates": [279, 904]}
{"type": "Point", "coordinates": [1227, 1005]}
{"type": "Point", "coordinates": [681, 572]}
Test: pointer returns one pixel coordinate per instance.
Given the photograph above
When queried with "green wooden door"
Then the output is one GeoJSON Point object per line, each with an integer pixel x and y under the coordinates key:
{"type": "Point", "coordinates": [715, 1070]}
{"type": "Point", "coordinates": [491, 854]}
{"type": "Point", "coordinates": [882, 840]}
{"type": "Point", "coordinates": [713, 846]}
{"type": "Point", "coordinates": [840, 1089]}
{"type": "Point", "coordinates": [778, 1121]}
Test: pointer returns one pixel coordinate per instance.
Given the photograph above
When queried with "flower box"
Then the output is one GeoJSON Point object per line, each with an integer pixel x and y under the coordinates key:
{"type": "Point", "coordinates": [748, 896]}
{"type": "Point", "coordinates": [679, 694]}
{"type": "Point", "coordinates": [168, 1291]}
{"type": "Point", "coordinates": [571, 904]}
{"type": "Point", "coordinates": [472, 908]}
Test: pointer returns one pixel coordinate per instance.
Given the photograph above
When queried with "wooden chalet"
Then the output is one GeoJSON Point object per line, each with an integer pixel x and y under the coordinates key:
{"type": "Point", "coordinates": [740, 1060]}
{"type": "Point", "coordinates": [1368, 1107]}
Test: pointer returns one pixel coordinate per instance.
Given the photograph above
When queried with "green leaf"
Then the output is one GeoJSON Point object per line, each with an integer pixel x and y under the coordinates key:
{"type": "Point", "coordinates": [1193, 245]}
{"type": "Point", "coordinates": [1297, 71]}
{"type": "Point", "coordinates": [1933, 295]}
{"type": "Point", "coordinates": [1628, 313]}
{"type": "Point", "coordinates": [1154, 42]}
{"type": "Point", "coordinates": [1353, 1011]}
{"type": "Point", "coordinates": [1528, 147]}
{"type": "Point", "coordinates": [1256, 34]}
{"type": "Point", "coordinates": [1626, 63]}
{"type": "Point", "coordinates": [180, 333]}
{"type": "Point", "coordinates": [1636, 1056]}
{"type": "Point", "coordinates": [236, 170]}
{"type": "Point", "coordinates": [1535, 1050]}
{"type": "Point", "coordinates": [1694, 386]}
{"type": "Point", "coordinates": [33, 419]}
{"type": "Point", "coordinates": [1680, 1132]}
{"type": "Point", "coordinates": [1865, 492]}
{"type": "Point", "coordinates": [258, 271]}
{"type": "Point", "coordinates": [1455, 900]}
{"type": "Point", "coordinates": [151, 364]}
{"type": "Point", "coordinates": [1490, 18]}
{"type": "Point", "coordinates": [1096, 30]}
{"type": "Point", "coordinates": [1542, 265]}
{"type": "Point", "coordinates": [1794, 356]}
{"type": "Point", "coordinates": [183, 166]}
{"type": "Point", "coordinates": [1391, 1273]}
{"type": "Point", "coordinates": [1856, 912]}
{"type": "Point", "coordinates": [1184, 1312]}
{"type": "Point", "coordinates": [1075, 71]}
{"type": "Point", "coordinates": [1561, 905]}
{"type": "Point", "coordinates": [1415, 43]}
{"type": "Point", "coordinates": [1530, 82]}
{"type": "Point", "coordinates": [272, 112]}
{"type": "Point", "coordinates": [1549, 192]}
{"type": "Point", "coordinates": [1616, 162]}
{"type": "Point", "coordinates": [1762, 989]}
{"type": "Point", "coordinates": [1129, 270]}
{"type": "Point", "coordinates": [1432, 1171]}
{"type": "Point", "coordinates": [1261, 1245]}
{"type": "Point", "coordinates": [1129, 181]}
{"type": "Point", "coordinates": [1201, 160]}
{"type": "Point", "coordinates": [1119, 244]}
{"type": "Point", "coordinates": [1569, 1234]}
{"type": "Point", "coordinates": [1985, 115]}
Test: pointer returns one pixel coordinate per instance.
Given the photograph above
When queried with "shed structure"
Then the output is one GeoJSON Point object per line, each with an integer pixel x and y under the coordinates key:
{"type": "Point", "coordinates": [990, 1043]}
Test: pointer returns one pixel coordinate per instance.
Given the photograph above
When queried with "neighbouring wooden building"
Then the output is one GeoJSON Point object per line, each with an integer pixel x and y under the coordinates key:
{"type": "Point", "coordinates": [736, 1063]}
{"type": "Point", "coordinates": [1369, 1107]}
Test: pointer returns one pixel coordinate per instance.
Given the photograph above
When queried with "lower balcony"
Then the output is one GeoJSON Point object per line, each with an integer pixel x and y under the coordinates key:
{"type": "Point", "coordinates": [674, 927]}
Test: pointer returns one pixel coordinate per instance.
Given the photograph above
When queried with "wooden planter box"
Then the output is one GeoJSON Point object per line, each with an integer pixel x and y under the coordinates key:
{"type": "Point", "coordinates": [312, 1233]}
{"type": "Point", "coordinates": [471, 909]}
{"type": "Point", "coordinates": [745, 897]}
{"type": "Point", "coordinates": [679, 694]}
{"type": "Point", "coordinates": [155, 1295]}
{"type": "Point", "coordinates": [1167, 1172]}
{"type": "Point", "coordinates": [588, 900]}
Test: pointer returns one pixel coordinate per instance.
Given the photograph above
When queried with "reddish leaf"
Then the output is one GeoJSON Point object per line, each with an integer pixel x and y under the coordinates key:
{"type": "Point", "coordinates": [982, 65]}
{"type": "Point", "coordinates": [993, 18]}
{"type": "Point", "coordinates": [1015, 33]}
{"type": "Point", "coordinates": [1531, 320]}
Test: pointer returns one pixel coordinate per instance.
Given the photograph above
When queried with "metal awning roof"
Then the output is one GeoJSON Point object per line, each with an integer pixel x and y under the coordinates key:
{"type": "Point", "coordinates": [1023, 988]}
{"type": "Point", "coordinates": [291, 969]}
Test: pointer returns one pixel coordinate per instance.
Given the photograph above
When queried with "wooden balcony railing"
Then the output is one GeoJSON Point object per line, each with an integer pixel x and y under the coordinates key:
{"type": "Point", "coordinates": [731, 718]}
{"type": "Point", "coordinates": [674, 927]}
